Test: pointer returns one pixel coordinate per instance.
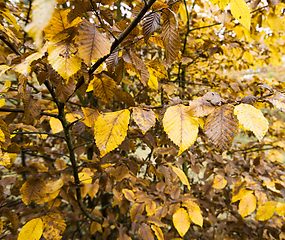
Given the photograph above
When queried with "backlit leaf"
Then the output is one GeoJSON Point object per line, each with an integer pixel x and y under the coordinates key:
{"type": "Point", "coordinates": [144, 118]}
{"type": "Point", "coordinates": [104, 87]}
{"type": "Point", "coordinates": [55, 125]}
{"type": "Point", "coordinates": [42, 11]}
{"type": "Point", "coordinates": [240, 11]}
{"type": "Point", "coordinates": [221, 126]}
{"type": "Point", "coordinates": [247, 205]}
{"type": "Point", "coordinates": [170, 36]}
{"type": "Point", "coordinates": [183, 178]}
{"type": "Point", "coordinates": [252, 119]}
{"type": "Point", "coordinates": [278, 101]}
{"type": "Point", "coordinates": [91, 116]}
{"type": "Point", "coordinates": [180, 127]}
{"type": "Point", "coordinates": [194, 212]}
{"type": "Point", "coordinates": [54, 226]}
{"type": "Point", "coordinates": [111, 130]}
{"type": "Point", "coordinates": [150, 24]}
{"type": "Point", "coordinates": [91, 43]}
{"type": "Point", "coordinates": [32, 230]}
{"type": "Point", "coordinates": [280, 210]}
{"type": "Point", "coordinates": [219, 182]}
{"type": "Point", "coordinates": [63, 59]}
{"type": "Point", "coordinates": [181, 221]}
{"type": "Point", "coordinates": [32, 189]}
{"type": "Point", "coordinates": [266, 211]}
{"type": "Point", "coordinates": [157, 231]}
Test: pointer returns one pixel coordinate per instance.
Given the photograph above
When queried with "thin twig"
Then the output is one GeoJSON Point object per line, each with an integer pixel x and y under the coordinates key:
{"type": "Point", "coordinates": [22, 111]}
{"type": "Point", "coordinates": [49, 134]}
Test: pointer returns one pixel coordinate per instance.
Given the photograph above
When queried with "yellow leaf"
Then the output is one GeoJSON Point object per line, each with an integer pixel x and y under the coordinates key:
{"type": "Point", "coordinates": [2, 136]}
{"type": "Point", "coordinates": [2, 102]}
{"type": "Point", "coordinates": [144, 118]}
{"type": "Point", "coordinates": [42, 11]}
{"type": "Point", "coordinates": [280, 210]}
{"type": "Point", "coordinates": [6, 87]}
{"type": "Point", "coordinates": [95, 227]}
{"type": "Point", "coordinates": [5, 159]}
{"type": "Point", "coordinates": [110, 130]}
{"type": "Point", "coordinates": [91, 43]}
{"type": "Point", "coordinates": [91, 116]}
{"type": "Point", "coordinates": [53, 186]}
{"type": "Point", "coordinates": [84, 177]}
{"type": "Point", "coordinates": [182, 176]}
{"type": "Point", "coordinates": [252, 119]}
{"type": "Point", "coordinates": [158, 233]}
{"type": "Point", "coordinates": [266, 211]}
{"type": "Point", "coordinates": [63, 58]}
{"type": "Point", "coordinates": [181, 221]}
{"type": "Point", "coordinates": [104, 87]}
{"type": "Point", "coordinates": [247, 205]}
{"type": "Point", "coordinates": [55, 125]}
{"type": "Point", "coordinates": [32, 230]}
{"type": "Point", "coordinates": [72, 117]}
{"type": "Point", "coordinates": [239, 195]}
{"type": "Point", "coordinates": [219, 182]}
{"type": "Point", "coordinates": [152, 81]}
{"type": "Point", "coordinates": [180, 127]}
{"type": "Point", "coordinates": [33, 189]}
{"type": "Point", "coordinates": [194, 212]}
{"type": "Point", "coordinates": [240, 11]}
{"type": "Point", "coordinates": [129, 194]}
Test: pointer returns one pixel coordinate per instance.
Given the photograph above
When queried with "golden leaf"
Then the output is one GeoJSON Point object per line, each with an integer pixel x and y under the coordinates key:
{"type": "Point", "coordinates": [240, 11]}
{"type": "Point", "coordinates": [60, 164]}
{"type": "Point", "coordinates": [280, 209]}
{"type": "Point", "coordinates": [33, 189]}
{"type": "Point", "coordinates": [252, 119]}
{"type": "Point", "coordinates": [32, 230]}
{"type": "Point", "coordinates": [180, 127]}
{"type": "Point", "coordinates": [221, 126]}
{"type": "Point", "coordinates": [247, 205]}
{"type": "Point", "coordinates": [183, 178]}
{"type": "Point", "coordinates": [136, 209]}
{"type": "Point", "coordinates": [91, 116]}
{"type": "Point", "coordinates": [63, 59]}
{"type": "Point", "coordinates": [129, 194]}
{"type": "Point", "coordinates": [144, 118]}
{"type": "Point", "coordinates": [55, 125]}
{"type": "Point", "coordinates": [91, 43]}
{"type": "Point", "coordinates": [170, 36]}
{"type": "Point", "coordinates": [42, 11]}
{"type": "Point", "coordinates": [145, 233]}
{"type": "Point", "coordinates": [158, 233]}
{"type": "Point", "coordinates": [181, 221]}
{"type": "Point", "coordinates": [111, 130]}
{"type": "Point", "coordinates": [95, 227]}
{"type": "Point", "coordinates": [104, 87]}
{"type": "Point", "coordinates": [54, 225]}
{"type": "Point", "coordinates": [266, 211]}
{"type": "Point", "coordinates": [219, 182]}
{"type": "Point", "coordinates": [240, 194]}
{"type": "Point", "coordinates": [53, 186]}
{"type": "Point", "coordinates": [194, 212]}
{"type": "Point", "coordinates": [5, 159]}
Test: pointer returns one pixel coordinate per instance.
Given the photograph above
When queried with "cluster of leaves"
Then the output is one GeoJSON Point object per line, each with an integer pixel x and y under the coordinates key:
{"type": "Point", "coordinates": [119, 120]}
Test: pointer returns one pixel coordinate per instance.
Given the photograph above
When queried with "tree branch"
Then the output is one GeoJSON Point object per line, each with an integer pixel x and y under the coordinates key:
{"type": "Point", "coordinates": [22, 111]}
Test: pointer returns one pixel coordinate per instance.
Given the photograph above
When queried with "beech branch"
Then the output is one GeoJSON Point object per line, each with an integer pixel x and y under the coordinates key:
{"type": "Point", "coordinates": [22, 111]}
{"type": "Point", "coordinates": [117, 41]}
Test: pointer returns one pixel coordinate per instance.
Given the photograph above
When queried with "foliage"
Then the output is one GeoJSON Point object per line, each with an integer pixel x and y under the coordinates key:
{"type": "Point", "coordinates": [123, 120]}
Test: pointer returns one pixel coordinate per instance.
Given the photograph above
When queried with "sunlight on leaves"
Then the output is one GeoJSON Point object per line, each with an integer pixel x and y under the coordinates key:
{"type": "Point", "coordinates": [247, 205]}
{"type": "Point", "coordinates": [181, 221]}
{"type": "Point", "coordinates": [32, 230]}
{"type": "Point", "coordinates": [240, 11]}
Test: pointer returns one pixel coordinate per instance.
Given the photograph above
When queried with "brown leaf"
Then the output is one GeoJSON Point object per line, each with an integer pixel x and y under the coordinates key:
{"type": "Point", "coordinates": [221, 126]}
{"type": "Point", "coordinates": [200, 107]}
{"type": "Point", "coordinates": [249, 100]}
{"type": "Point", "coordinates": [170, 36]}
{"type": "Point", "coordinates": [107, 15]}
{"type": "Point", "coordinates": [112, 61]}
{"type": "Point", "coordinates": [145, 232]}
{"type": "Point", "coordinates": [125, 97]}
{"type": "Point", "coordinates": [150, 24]}
{"type": "Point", "coordinates": [32, 109]}
{"type": "Point", "coordinates": [91, 43]}
{"type": "Point", "coordinates": [144, 118]}
{"type": "Point", "coordinates": [63, 91]}
{"type": "Point", "coordinates": [80, 7]}
{"type": "Point", "coordinates": [277, 100]}
{"type": "Point", "coordinates": [214, 98]}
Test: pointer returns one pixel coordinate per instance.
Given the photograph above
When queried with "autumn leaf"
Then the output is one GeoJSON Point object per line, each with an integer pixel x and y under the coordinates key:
{"type": "Point", "coordinates": [221, 126]}
{"type": "Point", "coordinates": [266, 211]}
{"type": "Point", "coordinates": [145, 232]}
{"type": "Point", "coordinates": [91, 43]}
{"type": "Point", "coordinates": [54, 226]}
{"type": "Point", "coordinates": [180, 127]}
{"type": "Point", "coordinates": [240, 11]}
{"type": "Point", "coordinates": [200, 107]}
{"type": "Point", "coordinates": [91, 116]}
{"type": "Point", "coordinates": [157, 231]}
{"type": "Point", "coordinates": [170, 36]}
{"type": "Point", "coordinates": [247, 205]}
{"type": "Point", "coordinates": [181, 221]}
{"type": "Point", "coordinates": [104, 87]}
{"type": "Point", "coordinates": [32, 190]}
{"type": "Point", "coordinates": [150, 24]}
{"type": "Point", "coordinates": [252, 119]}
{"type": "Point", "coordinates": [240, 194]}
{"type": "Point", "coordinates": [280, 209]}
{"type": "Point", "coordinates": [129, 195]}
{"type": "Point", "coordinates": [277, 100]}
{"type": "Point", "coordinates": [42, 11]}
{"type": "Point", "coordinates": [144, 118]}
{"type": "Point", "coordinates": [125, 97]}
{"type": "Point", "coordinates": [111, 130]}
{"type": "Point", "coordinates": [219, 182]}
{"type": "Point", "coordinates": [55, 125]}
{"type": "Point", "coordinates": [32, 230]}
{"type": "Point", "coordinates": [63, 58]}
{"type": "Point", "coordinates": [194, 212]}
{"type": "Point", "coordinates": [183, 178]}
